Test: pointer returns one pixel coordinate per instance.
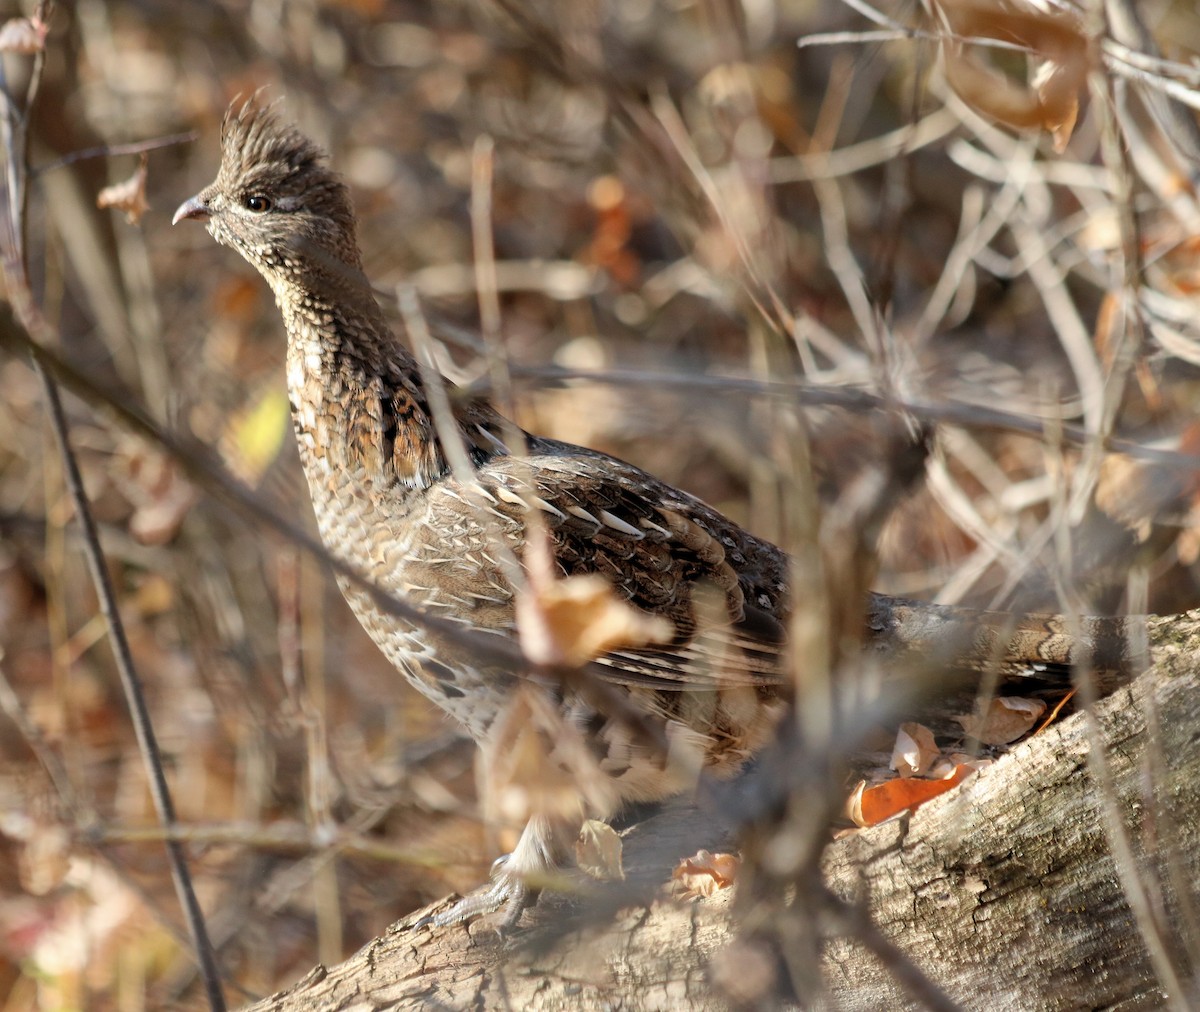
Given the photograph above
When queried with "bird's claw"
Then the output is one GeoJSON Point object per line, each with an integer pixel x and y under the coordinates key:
{"type": "Point", "coordinates": [508, 890]}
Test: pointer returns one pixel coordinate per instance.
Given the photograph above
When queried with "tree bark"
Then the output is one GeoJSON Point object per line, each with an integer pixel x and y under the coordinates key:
{"type": "Point", "coordinates": [1005, 893]}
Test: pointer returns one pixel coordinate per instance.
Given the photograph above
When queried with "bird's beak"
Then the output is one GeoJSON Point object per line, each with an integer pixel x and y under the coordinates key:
{"type": "Point", "coordinates": [194, 208]}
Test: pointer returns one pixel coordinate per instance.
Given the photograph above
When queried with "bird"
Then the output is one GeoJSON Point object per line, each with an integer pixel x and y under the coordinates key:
{"type": "Point", "coordinates": [455, 523]}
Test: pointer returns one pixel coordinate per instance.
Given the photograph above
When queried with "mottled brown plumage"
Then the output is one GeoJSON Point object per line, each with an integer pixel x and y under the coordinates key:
{"type": "Point", "coordinates": [387, 503]}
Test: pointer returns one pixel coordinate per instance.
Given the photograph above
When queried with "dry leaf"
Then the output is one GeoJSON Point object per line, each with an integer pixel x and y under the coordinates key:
{"type": "Point", "coordinates": [598, 851]}
{"type": "Point", "coordinates": [869, 806]}
{"type": "Point", "coordinates": [915, 750]}
{"type": "Point", "coordinates": [705, 873]}
{"type": "Point", "coordinates": [575, 620]}
{"type": "Point", "coordinates": [128, 196]}
{"type": "Point", "coordinates": [1005, 720]}
{"type": "Point", "coordinates": [521, 780]}
{"type": "Point", "coordinates": [23, 35]}
{"type": "Point", "coordinates": [853, 807]}
{"type": "Point", "coordinates": [535, 762]}
{"type": "Point", "coordinates": [1051, 99]}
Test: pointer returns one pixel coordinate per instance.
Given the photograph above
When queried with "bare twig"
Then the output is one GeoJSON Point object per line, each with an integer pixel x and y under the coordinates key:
{"type": "Point", "coordinates": [112, 150]}
{"type": "Point", "coordinates": [16, 124]}
{"type": "Point", "coordinates": [139, 711]}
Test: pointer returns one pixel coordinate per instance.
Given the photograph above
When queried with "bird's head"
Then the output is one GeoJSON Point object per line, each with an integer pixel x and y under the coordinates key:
{"type": "Point", "coordinates": [276, 202]}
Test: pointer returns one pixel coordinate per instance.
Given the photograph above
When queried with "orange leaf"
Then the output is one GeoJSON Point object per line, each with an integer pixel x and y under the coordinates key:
{"type": "Point", "coordinates": [703, 873]}
{"type": "Point", "coordinates": [869, 806]}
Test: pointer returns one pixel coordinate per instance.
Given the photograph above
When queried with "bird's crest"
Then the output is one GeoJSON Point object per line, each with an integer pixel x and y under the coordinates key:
{"type": "Point", "coordinates": [256, 142]}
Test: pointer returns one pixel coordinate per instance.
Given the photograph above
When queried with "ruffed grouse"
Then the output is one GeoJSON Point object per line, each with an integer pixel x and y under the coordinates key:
{"type": "Point", "coordinates": [389, 504]}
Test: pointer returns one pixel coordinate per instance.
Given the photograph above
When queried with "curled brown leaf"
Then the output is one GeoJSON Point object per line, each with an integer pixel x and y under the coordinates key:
{"type": "Point", "coordinates": [914, 751]}
{"type": "Point", "coordinates": [705, 873]}
{"type": "Point", "coordinates": [575, 620]}
{"type": "Point", "coordinates": [129, 195]}
{"type": "Point", "coordinates": [1054, 41]}
{"type": "Point", "coordinates": [1005, 719]}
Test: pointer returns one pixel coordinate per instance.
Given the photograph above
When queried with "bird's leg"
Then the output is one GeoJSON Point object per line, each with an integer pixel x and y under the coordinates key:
{"type": "Point", "coordinates": [515, 877]}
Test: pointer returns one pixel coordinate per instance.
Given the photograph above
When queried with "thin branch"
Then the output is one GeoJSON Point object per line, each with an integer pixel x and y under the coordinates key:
{"type": "Point", "coordinates": [110, 150]}
{"type": "Point", "coordinates": [202, 467]}
{"type": "Point", "coordinates": [143, 726]}
{"type": "Point", "coordinates": [16, 125]}
{"type": "Point", "coordinates": [853, 158]}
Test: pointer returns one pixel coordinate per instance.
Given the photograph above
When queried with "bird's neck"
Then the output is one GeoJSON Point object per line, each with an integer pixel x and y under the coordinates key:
{"type": "Point", "coordinates": [358, 404]}
{"type": "Point", "coordinates": [337, 337]}
{"type": "Point", "coordinates": [335, 324]}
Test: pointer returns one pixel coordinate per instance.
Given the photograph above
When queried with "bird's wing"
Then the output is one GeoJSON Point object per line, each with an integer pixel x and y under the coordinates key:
{"type": "Point", "coordinates": [664, 552]}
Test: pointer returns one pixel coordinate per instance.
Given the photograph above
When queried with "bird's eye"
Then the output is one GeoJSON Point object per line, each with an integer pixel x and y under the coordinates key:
{"type": "Point", "coordinates": [257, 203]}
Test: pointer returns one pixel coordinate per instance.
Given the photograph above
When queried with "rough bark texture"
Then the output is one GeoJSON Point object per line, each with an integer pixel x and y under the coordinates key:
{"type": "Point", "coordinates": [1004, 892]}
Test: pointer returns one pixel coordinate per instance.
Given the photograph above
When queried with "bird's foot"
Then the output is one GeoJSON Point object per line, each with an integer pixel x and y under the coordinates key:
{"type": "Point", "coordinates": [508, 890]}
{"type": "Point", "coordinates": [517, 878]}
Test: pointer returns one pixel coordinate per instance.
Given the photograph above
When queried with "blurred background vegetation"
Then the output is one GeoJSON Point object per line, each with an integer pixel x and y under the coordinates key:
{"type": "Point", "coordinates": [680, 193]}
